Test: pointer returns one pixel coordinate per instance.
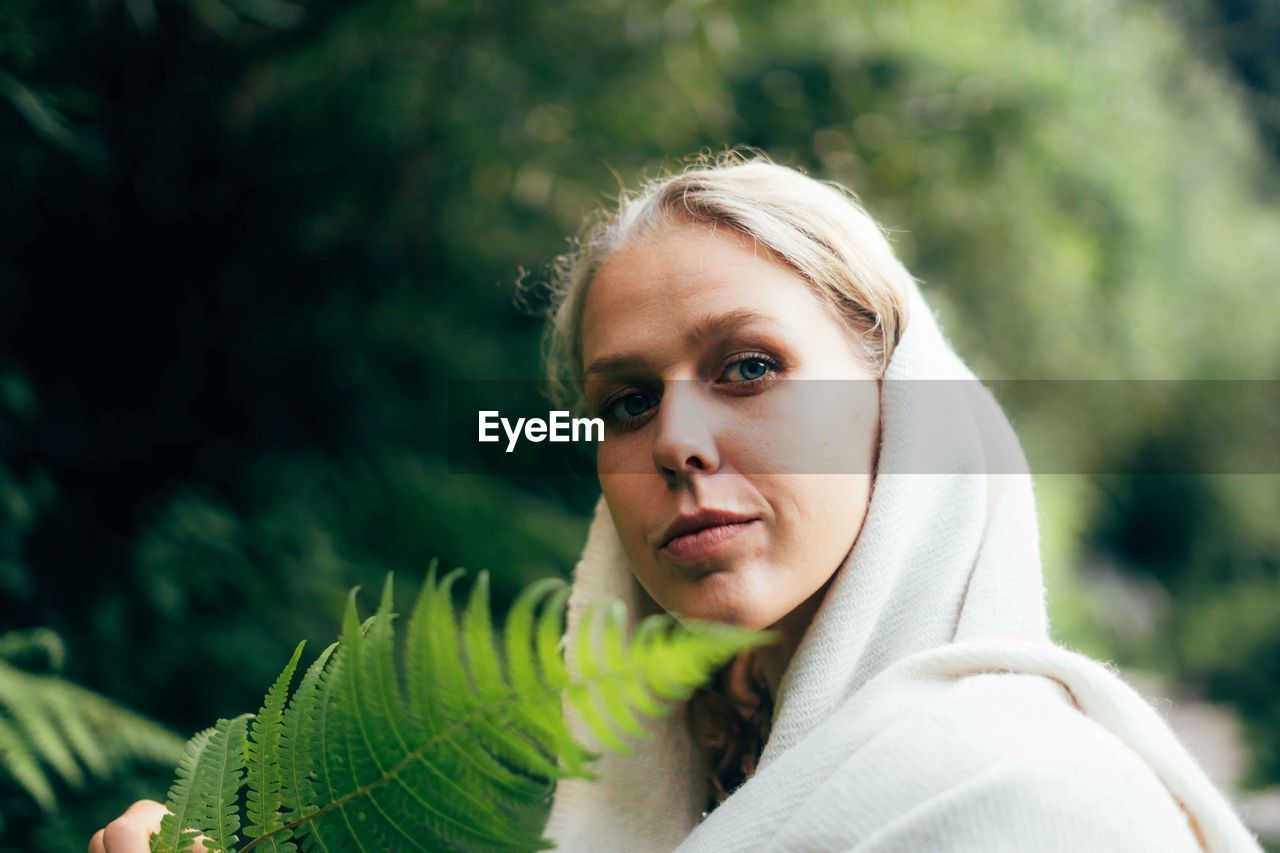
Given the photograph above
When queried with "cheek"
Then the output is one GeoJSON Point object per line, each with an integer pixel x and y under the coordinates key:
{"type": "Point", "coordinates": [842, 426]}
{"type": "Point", "coordinates": [625, 455]}
{"type": "Point", "coordinates": [768, 435]}
{"type": "Point", "coordinates": [803, 427]}
{"type": "Point", "coordinates": [630, 501]}
{"type": "Point", "coordinates": [825, 515]}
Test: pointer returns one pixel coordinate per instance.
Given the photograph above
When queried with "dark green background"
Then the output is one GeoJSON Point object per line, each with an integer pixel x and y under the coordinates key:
{"type": "Point", "coordinates": [246, 244]}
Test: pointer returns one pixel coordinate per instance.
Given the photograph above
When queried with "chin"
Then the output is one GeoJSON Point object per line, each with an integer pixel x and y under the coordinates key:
{"type": "Point", "coordinates": [726, 598]}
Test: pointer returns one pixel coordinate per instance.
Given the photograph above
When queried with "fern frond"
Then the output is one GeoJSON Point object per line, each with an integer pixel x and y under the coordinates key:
{"type": "Point", "coordinates": [71, 719]}
{"type": "Point", "coordinates": [27, 712]}
{"type": "Point", "coordinates": [262, 754]}
{"type": "Point", "coordinates": [203, 799]}
{"type": "Point", "coordinates": [439, 695]}
{"type": "Point", "coordinates": [46, 721]}
{"type": "Point", "coordinates": [505, 737]}
{"type": "Point", "coordinates": [298, 755]}
{"type": "Point", "coordinates": [17, 758]}
{"type": "Point", "coordinates": [465, 758]}
{"type": "Point", "coordinates": [121, 734]}
{"type": "Point", "coordinates": [528, 678]}
{"type": "Point", "coordinates": [176, 831]}
{"type": "Point", "coordinates": [225, 776]}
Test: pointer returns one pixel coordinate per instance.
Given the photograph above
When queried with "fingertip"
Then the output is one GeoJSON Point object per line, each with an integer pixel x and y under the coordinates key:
{"type": "Point", "coordinates": [125, 835]}
{"type": "Point", "coordinates": [147, 811]}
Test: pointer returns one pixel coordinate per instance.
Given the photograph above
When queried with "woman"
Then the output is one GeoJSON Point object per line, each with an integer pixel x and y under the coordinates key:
{"type": "Point", "coordinates": [885, 527]}
{"type": "Point", "coordinates": [914, 700]}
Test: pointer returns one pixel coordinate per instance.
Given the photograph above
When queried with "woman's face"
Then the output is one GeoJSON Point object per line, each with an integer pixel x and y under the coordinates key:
{"type": "Point", "coordinates": [690, 339]}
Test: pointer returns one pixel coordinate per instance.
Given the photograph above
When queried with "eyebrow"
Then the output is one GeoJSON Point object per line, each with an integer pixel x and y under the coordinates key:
{"type": "Point", "coordinates": [704, 327]}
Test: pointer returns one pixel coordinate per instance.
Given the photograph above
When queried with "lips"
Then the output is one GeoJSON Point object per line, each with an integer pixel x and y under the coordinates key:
{"type": "Point", "coordinates": [697, 534]}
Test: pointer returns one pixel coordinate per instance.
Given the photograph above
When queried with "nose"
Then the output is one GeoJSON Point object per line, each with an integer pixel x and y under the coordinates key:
{"type": "Point", "coordinates": [685, 439]}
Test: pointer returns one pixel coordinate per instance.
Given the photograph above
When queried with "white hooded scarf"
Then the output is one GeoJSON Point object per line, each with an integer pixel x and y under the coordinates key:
{"type": "Point", "coordinates": [926, 707]}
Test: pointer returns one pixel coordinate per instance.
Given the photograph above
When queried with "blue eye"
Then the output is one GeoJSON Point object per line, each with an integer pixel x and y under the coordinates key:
{"type": "Point", "coordinates": [749, 374]}
{"type": "Point", "coordinates": [628, 406]}
{"type": "Point", "coordinates": [750, 368]}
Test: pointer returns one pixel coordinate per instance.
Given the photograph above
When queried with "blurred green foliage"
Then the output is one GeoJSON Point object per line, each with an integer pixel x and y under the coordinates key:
{"type": "Point", "coordinates": [49, 726]}
{"type": "Point", "coordinates": [248, 242]}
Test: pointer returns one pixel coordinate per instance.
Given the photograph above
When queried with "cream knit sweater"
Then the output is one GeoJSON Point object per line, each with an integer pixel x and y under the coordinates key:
{"type": "Point", "coordinates": [926, 707]}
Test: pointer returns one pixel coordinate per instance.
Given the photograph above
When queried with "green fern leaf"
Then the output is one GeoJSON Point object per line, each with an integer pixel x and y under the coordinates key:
{"type": "Point", "coordinates": [262, 753]}
{"type": "Point", "coordinates": [176, 831]}
{"type": "Point", "coordinates": [501, 734]}
{"type": "Point", "coordinates": [121, 734]}
{"type": "Point", "coordinates": [227, 748]}
{"type": "Point", "coordinates": [543, 720]}
{"type": "Point", "coordinates": [46, 721]}
{"type": "Point", "coordinates": [203, 799]}
{"type": "Point", "coordinates": [438, 695]}
{"type": "Point", "coordinates": [466, 757]}
{"type": "Point", "coordinates": [70, 718]}
{"type": "Point", "coordinates": [26, 709]}
{"type": "Point", "coordinates": [411, 792]}
{"type": "Point", "coordinates": [297, 748]}
{"type": "Point", "coordinates": [22, 765]}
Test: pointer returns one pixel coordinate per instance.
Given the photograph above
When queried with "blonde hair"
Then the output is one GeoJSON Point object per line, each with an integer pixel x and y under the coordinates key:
{"type": "Point", "coordinates": [819, 229]}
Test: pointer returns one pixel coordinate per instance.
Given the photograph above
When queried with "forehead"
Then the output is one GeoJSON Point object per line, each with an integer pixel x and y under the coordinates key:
{"type": "Point", "coordinates": [645, 294]}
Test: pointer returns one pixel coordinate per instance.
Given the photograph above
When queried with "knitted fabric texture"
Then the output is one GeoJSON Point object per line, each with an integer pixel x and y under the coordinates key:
{"type": "Point", "coordinates": [926, 706]}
